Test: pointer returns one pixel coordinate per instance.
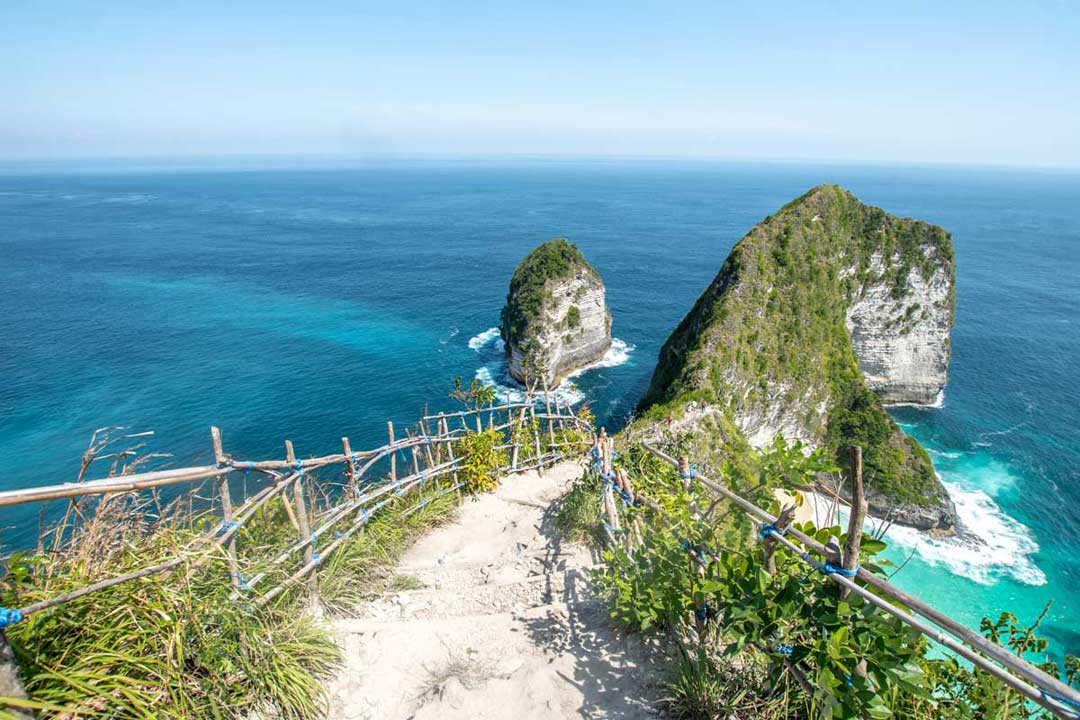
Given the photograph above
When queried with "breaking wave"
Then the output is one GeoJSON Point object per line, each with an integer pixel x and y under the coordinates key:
{"type": "Point", "coordinates": [988, 546]}
{"type": "Point", "coordinates": [482, 340]}
{"type": "Point", "coordinates": [496, 372]}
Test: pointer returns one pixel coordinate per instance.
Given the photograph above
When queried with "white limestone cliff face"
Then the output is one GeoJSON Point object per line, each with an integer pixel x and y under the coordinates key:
{"type": "Point", "coordinates": [562, 343]}
{"type": "Point", "coordinates": [902, 344]}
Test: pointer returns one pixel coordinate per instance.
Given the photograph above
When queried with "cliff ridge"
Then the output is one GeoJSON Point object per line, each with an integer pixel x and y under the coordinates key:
{"type": "Point", "coordinates": [820, 314]}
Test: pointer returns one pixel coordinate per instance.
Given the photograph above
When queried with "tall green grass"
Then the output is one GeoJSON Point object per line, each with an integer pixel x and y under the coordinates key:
{"type": "Point", "coordinates": [175, 645]}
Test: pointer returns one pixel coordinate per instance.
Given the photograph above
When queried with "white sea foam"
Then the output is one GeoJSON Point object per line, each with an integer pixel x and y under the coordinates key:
{"type": "Point", "coordinates": [496, 372]}
{"type": "Point", "coordinates": [989, 546]}
{"type": "Point", "coordinates": [938, 402]}
{"type": "Point", "coordinates": [478, 342]}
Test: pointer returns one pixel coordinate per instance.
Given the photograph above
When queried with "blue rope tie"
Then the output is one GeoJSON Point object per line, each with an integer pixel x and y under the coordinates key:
{"type": "Point", "coordinates": [338, 535]}
{"type": "Point", "coordinates": [229, 526]}
{"type": "Point", "coordinates": [607, 476]}
{"type": "Point", "coordinates": [612, 530]}
{"type": "Point", "coordinates": [9, 616]}
{"type": "Point", "coordinates": [829, 569]}
{"type": "Point", "coordinates": [701, 614]}
{"type": "Point", "coordinates": [364, 515]}
{"type": "Point", "coordinates": [316, 558]}
{"type": "Point", "coordinates": [300, 468]}
{"type": "Point", "coordinates": [689, 475]}
{"type": "Point", "coordinates": [770, 529]}
{"type": "Point", "coordinates": [241, 582]}
{"type": "Point", "coordinates": [784, 650]}
{"type": "Point", "coordinates": [1056, 698]}
{"type": "Point", "coordinates": [313, 539]}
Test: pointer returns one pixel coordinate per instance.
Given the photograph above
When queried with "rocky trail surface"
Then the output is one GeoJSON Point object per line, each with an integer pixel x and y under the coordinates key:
{"type": "Point", "coordinates": [501, 625]}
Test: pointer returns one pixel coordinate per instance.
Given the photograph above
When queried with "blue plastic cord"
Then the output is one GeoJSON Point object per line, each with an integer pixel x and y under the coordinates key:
{"type": "Point", "coordinates": [784, 650]}
{"type": "Point", "coordinates": [1056, 698]}
{"type": "Point", "coordinates": [701, 614]}
{"type": "Point", "coordinates": [770, 529]}
{"type": "Point", "coordinates": [9, 616]}
{"type": "Point", "coordinates": [299, 468]}
{"type": "Point", "coordinates": [689, 475]}
{"type": "Point", "coordinates": [829, 569]}
{"type": "Point", "coordinates": [316, 558]}
{"type": "Point", "coordinates": [364, 515]}
{"type": "Point", "coordinates": [241, 582]}
{"type": "Point", "coordinates": [229, 527]}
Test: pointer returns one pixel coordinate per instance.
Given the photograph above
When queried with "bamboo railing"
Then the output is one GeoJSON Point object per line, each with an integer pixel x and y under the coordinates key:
{"type": "Point", "coordinates": [373, 480]}
{"type": "Point", "coordinates": [1032, 682]}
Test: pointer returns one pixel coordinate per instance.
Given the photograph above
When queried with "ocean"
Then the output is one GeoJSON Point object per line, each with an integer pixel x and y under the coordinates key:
{"type": "Point", "coordinates": [299, 300]}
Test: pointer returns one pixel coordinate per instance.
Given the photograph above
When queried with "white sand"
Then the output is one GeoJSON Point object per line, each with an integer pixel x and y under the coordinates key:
{"type": "Point", "coordinates": [505, 627]}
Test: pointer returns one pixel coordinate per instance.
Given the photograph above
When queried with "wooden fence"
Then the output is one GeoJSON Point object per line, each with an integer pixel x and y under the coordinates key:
{"type": "Point", "coordinates": [1032, 682]}
{"type": "Point", "coordinates": [361, 483]}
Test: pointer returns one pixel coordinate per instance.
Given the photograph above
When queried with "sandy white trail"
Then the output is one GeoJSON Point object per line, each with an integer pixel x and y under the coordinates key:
{"type": "Point", "coordinates": [505, 627]}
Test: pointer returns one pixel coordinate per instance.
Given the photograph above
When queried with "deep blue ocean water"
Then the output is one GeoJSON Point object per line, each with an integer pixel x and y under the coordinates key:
{"type": "Point", "coordinates": [312, 302]}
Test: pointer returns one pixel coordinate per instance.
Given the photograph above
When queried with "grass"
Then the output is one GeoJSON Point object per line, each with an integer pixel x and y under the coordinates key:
{"type": "Point", "coordinates": [577, 515]}
{"type": "Point", "coordinates": [160, 647]}
{"type": "Point", "coordinates": [403, 583]}
{"type": "Point", "coordinates": [467, 666]}
{"type": "Point", "coordinates": [363, 567]}
{"type": "Point", "coordinates": [175, 645]}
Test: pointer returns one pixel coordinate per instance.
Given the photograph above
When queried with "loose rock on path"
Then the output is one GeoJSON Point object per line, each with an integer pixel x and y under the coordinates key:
{"type": "Point", "coordinates": [503, 627]}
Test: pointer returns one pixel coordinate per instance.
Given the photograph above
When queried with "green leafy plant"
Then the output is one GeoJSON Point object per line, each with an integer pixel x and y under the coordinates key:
{"type": "Point", "coordinates": [481, 460]}
{"type": "Point", "coordinates": [707, 587]}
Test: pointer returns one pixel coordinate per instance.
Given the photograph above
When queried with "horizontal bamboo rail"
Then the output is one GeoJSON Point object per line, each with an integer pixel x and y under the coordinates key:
{"type": "Point", "coordinates": [1033, 683]}
{"type": "Point", "coordinates": [359, 501]}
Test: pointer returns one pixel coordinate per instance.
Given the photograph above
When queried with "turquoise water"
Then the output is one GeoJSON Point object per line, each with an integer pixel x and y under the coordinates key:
{"type": "Point", "coordinates": [309, 302]}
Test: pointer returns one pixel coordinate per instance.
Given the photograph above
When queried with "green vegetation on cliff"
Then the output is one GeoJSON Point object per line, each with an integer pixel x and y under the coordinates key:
{"type": "Point", "coordinates": [555, 259]}
{"type": "Point", "coordinates": [769, 335]}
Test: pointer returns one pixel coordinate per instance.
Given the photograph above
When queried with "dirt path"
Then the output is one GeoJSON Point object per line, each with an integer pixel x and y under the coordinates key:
{"type": "Point", "coordinates": [503, 626]}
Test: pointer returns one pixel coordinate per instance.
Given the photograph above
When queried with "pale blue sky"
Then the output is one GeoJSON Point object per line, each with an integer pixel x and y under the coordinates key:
{"type": "Point", "coordinates": [973, 82]}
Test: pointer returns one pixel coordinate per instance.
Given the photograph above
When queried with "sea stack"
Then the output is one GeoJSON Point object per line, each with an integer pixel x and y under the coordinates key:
{"type": "Point", "coordinates": [820, 314]}
{"type": "Point", "coordinates": [555, 320]}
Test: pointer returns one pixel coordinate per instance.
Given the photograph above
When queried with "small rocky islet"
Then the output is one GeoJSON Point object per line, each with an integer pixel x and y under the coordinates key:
{"type": "Point", "coordinates": [820, 315]}
{"type": "Point", "coordinates": [556, 319]}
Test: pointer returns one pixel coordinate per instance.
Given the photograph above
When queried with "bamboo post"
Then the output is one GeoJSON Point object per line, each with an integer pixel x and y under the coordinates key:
{"type": "Point", "coordinates": [858, 515]}
{"type": "Point", "coordinates": [536, 441]}
{"type": "Point", "coordinates": [606, 475]}
{"type": "Point", "coordinates": [787, 514]}
{"type": "Point", "coordinates": [450, 450]}
{"type": "Point", "coordinates": [440, 430]}
{"type": "Point", "coordinates": [226, 506]}
{"type": "Point", "coordinates": [393, 455]}
{"type": "Point", "coordinates": [302, 520]}
{"type": "Point", "coordinates": [350, 466]}
{"type": "Point", "coordinates": [547, 405]}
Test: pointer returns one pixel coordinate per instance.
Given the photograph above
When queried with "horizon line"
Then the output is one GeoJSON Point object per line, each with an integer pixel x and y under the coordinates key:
{"type": "Point", "coordinates": [11, 163]}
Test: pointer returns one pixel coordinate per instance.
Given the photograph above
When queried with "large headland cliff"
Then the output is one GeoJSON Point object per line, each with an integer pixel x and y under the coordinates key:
{"type": "Point", "coordinates": [556, 319]}
{"type": "Point", "coordinates": [819, 315]}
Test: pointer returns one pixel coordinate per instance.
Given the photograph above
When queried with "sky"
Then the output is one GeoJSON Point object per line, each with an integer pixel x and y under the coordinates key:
{"type": "Point", "coordinates": [928, 82]}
